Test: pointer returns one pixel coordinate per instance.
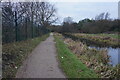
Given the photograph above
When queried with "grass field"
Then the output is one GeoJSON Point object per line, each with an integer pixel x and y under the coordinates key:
{"type": "Point", "coordinates": [70, 64]}
{"type": "Point", "coordinates": [15, 53]}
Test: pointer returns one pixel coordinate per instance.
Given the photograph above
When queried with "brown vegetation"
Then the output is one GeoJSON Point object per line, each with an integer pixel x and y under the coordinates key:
{"type": "Point", "coordinates": [93, 59]}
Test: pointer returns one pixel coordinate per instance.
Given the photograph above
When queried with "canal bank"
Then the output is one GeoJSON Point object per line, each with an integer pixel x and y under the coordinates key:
{"type": "Point", "coordinates": [96, 58]}
{"type": "Point", "coordinates": [112, 50]}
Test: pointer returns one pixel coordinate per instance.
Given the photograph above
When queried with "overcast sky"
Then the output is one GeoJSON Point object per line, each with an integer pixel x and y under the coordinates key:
{"type": "Point", "coordinates": [82, 10]}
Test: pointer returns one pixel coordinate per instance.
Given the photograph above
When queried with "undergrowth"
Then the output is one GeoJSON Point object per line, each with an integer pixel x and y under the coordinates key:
{"type": "Point", "coordinates": [13, 54]}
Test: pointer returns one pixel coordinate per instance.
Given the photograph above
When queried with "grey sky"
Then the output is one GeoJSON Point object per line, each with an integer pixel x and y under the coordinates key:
{"type": "Point", "coordinates": [82, 10]}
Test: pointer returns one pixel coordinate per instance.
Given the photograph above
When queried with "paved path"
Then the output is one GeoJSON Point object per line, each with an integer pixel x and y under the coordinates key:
{"type": "Point", "coordinates": [42, 62]}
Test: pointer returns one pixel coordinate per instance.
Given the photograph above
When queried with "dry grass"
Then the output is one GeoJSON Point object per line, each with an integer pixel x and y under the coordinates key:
{"type": "Point", "coordinates": [93, 59]}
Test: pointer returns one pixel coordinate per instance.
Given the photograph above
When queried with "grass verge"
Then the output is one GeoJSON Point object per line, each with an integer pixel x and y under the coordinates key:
{"type": "Point", "coordinates": [14, 54]}
{"type": "Point", "coordinates": [70, 64]}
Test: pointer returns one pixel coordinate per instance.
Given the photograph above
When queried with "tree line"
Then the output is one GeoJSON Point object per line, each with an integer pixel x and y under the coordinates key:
{"type": "Point", "coordinates": [24, 20]}
{"type": "Point", "coordinates": [101, 24]}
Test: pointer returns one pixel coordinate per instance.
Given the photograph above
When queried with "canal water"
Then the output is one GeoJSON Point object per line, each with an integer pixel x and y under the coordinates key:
{"type": "Point", "coordinates": [114, 54]}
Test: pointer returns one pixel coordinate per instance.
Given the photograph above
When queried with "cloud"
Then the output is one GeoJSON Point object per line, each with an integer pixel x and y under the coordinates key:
{"type": "Point", "coordinates": [81, 10]}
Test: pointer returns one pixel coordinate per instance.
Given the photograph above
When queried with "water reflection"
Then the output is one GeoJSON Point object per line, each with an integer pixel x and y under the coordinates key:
{"type": "Point", "coordinates": [114, 54]}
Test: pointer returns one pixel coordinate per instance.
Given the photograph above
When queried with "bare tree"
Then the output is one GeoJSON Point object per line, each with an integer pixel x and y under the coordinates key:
{"type": "Point", "coordinates": [26, 19]}
{"type": "Point", "coordinates": [107, 16]}
{"type": "Point", "coordinates": [68, 20]}
{"type": "Point", "coordinates": [48, 14]}
{"type": "Point", "coordinates": [7, 21]}
{"type": "Point", "coordinates": [102, 16]}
